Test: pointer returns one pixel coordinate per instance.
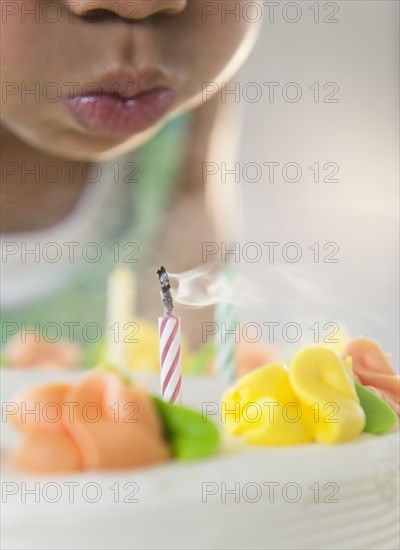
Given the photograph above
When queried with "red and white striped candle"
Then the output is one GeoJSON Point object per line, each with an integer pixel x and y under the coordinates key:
{"type": "Point", "coordinates": [170, 358]}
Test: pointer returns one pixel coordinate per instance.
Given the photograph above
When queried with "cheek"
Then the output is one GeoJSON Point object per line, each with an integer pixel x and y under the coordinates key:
{"type": "Point", "coordinates": [225, 43]}
{"type": "Point", "coordinates": [22, 38]}
{"type": "Point", "coordinates": [13, 38]}
{"type": "Point", "coordinates": [218, 51]}
{"type": "Point", "coordinates": [212, 43]}
{"type": "Point", "coordinates": [24, 60]}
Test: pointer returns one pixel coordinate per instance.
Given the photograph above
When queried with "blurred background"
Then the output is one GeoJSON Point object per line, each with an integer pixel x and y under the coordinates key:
{"type": "Point", "coordinates": [334, 109]}
{"type": "Point", "coordinates": [314, 118]}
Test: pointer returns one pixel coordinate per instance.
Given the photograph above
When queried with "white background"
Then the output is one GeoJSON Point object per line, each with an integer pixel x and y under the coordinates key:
{"type": "Point", "coordinates": [359, 133]}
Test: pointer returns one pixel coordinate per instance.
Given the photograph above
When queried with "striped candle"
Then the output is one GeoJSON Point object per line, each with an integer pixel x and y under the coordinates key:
{"type": "Point", "coordinates": [225, 337]}
{"type": "Point", "coordinates": [170, 358]}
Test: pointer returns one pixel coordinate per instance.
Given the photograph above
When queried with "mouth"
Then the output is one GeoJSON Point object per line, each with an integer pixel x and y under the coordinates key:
{"type": "Point", "coordinates": [121, 106]}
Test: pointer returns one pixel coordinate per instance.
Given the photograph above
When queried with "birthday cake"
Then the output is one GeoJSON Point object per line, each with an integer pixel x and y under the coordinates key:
{"type": "Point", "coordinates": [89, 489]}
{"type": "Point", "coordinates": [296, 454]}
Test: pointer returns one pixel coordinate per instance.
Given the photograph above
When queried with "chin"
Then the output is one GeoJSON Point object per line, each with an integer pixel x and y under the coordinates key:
{"type": "Point", "coordinates": [75, 146]}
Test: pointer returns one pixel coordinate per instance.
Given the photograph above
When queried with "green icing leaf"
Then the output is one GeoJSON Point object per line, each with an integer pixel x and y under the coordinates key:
{"type": "Point", "coordinates": [199, 361]}
{"type": "Point", "coordinates": [125, 376]}
{"type": "Point", "coordinates": [94, 353]}
{"type": "Point", "coordinates": [189, 434]}
{"type": "Point", "coordinates": [379, 416]}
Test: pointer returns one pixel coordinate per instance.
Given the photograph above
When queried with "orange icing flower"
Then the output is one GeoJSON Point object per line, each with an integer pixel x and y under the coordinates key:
{"type": "Point", "coordinates": [372, 368]}
{"type": "Point", "coordinates": [30, 350]}
{"type": "Point", "coordinates": [249, 356]}
{"type": "Point", "coordinates": [100, 422]}
{"type": "Point", "coordinates": [252, 355]}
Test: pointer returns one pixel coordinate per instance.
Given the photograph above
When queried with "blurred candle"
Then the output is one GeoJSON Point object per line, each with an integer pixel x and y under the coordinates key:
{"type": "Point", "coordinates": [226, 334]}
{"type": "Point", "coordinates": [121, 299]}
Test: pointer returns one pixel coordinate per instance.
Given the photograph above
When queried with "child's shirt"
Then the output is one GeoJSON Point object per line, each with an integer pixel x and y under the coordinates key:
{"type": "Point", "coordinates": [55, 280]}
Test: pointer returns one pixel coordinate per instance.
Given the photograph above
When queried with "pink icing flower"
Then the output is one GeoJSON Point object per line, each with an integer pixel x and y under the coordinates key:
{"type": "Point", "coordinates": [252, 356]}
{"type": "Point", "coordinates": [32, 351]}
{"type": "Point", "coordinates": [372, 368]}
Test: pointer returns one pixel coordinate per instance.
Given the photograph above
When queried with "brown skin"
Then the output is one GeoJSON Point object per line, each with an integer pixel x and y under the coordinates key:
{"type": "Point", "coordinates": [71, 52]}
{"type": "Point", "coordinates": [65, 53]}
{"type": "Point", "coordinates": [91, 39]}
{"type": "Point", "coordinates": [30, 202]}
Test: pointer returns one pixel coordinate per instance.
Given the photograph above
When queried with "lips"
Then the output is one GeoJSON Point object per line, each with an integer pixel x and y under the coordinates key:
{"type": "Point", "coordinates": [120, 107]}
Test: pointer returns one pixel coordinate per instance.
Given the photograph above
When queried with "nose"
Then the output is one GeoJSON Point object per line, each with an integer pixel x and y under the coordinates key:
{"type": "Point", "coordinates": [126, 9]}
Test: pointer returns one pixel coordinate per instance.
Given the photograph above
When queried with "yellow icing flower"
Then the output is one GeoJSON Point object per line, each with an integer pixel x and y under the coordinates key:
{"type": "Point", "coordinates": [337, 340]}
{"type": "Point", "coordinates": [324, 385]}
{"type": "Point", "coordinates": [144, 355]}
{"type": "Point", "coordinates": [263, 409]}
{"type": "Point", "coordinates": [314, 400]}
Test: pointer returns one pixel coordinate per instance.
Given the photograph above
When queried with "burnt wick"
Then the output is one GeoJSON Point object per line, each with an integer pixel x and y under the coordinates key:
{"type": "Point", "coordinates": [165, 291]}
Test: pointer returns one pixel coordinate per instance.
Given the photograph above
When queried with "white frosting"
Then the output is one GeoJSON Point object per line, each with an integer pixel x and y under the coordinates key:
{"type": "Point", "coordinates": [171, 512]}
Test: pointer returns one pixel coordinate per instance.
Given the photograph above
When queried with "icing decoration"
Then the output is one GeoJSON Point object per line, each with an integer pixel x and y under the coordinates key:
{"type": "Point", "coordinates": [261, 407]}
{"type": "Point", "coordinates": [337, 338]}
{"type": "Point", "coordinates": [380, 417]}
{"type": "Point", "coordinates": [105, 423]}
{"type": "Point", "coordinates": [372, 369]}
{"type": "Point", "coordinates": [189, 435]}
{"type": "Point", "coordinates": [128, 433]}
{"type": "Point", "coordinates": [249, 356]}
{"type": "Point", "coordinates": [201, 360]}
{"type": "Point", "coordinates": [45, 395]}
{"type": "Point", "coordinates": [31, 351]}
{"type": "Point", "coordinates": [324, 385]}
{"type": "Point", "coordinates": [252, 355]}
{"type": "Point", "coordinates": [144, 353]}
{"type": "Point", "coordinates": [314, 400]}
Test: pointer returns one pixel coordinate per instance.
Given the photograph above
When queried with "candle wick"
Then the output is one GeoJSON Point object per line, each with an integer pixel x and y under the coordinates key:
{"type": "Point", "coordinates": [165, 291]}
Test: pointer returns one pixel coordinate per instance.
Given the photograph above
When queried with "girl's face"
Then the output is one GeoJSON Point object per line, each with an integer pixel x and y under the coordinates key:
{"type": "Point", "coordinates": [90, 79]}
